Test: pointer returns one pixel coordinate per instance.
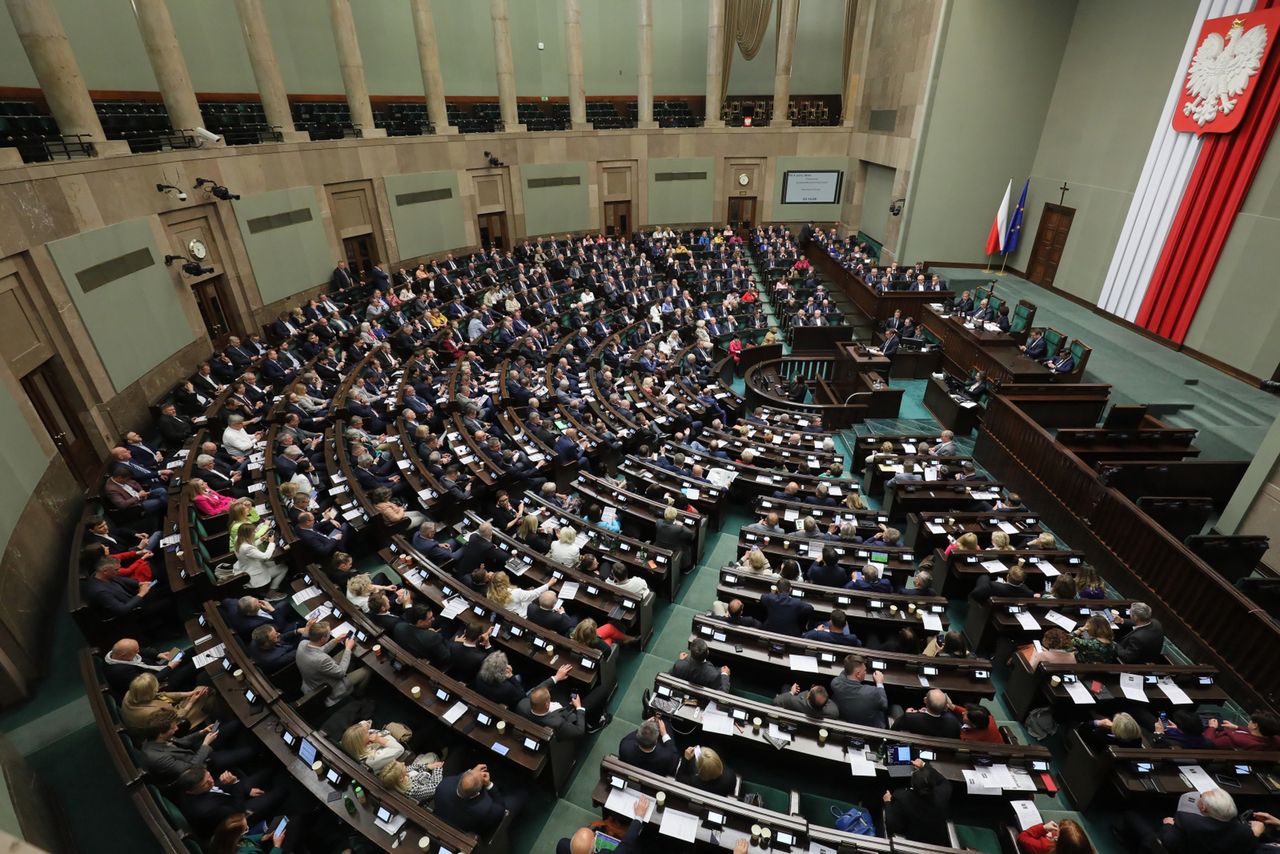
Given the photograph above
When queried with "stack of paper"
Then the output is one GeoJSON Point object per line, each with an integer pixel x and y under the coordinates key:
{"type": "Point", "coordinates": [1171, 690]}
{"type": "Point", "coordinates": [680, 825]}
{"type": "Point", "coordinates": [716, 721]}
{"type": "Point", "coordinates": [623, 802]}
{"type": "Point", "coordinates": [569, 590]}
{"type": "Point", "coordinates": [994, 567]}
{"type": "Point", "coordinates": [453, 607]}
{"type": "Point", "coordinates": [1079, 693]}
{"type": "Point", "coordinates": [1028, 621]}
{"type": "Point", "coordinates": [804, 663]}
{"type": "Point", "coordinates": [1131, 688]}
{"type": "Point", "coordinates": [1060, 620]}
{"type": "Point", "coordinates": [861, 765]}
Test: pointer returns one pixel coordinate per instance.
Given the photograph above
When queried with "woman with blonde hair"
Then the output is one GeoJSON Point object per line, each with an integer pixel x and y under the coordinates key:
{"type": "Point", "coordinates": [854, 501]}
{"type": "Point", "coordinates": [373, 748]}
{"type": "Point", "coordinates": [360, 585]}
{"type": "Point", "coordinates": [1000, 542]}
{"type": "Point", "coordinates": [754, 561]}
{"type": "Point", "coordinates": [208, 502]}
{"type": "Point", "coordinates": [967, 542]}
{"type": "Point", "coordinates": [529, 534]}
{"type": "Point", "coordinates": [418, 781]}
{"type": "Point", "coordinates": [704, 769]}
{"type": "Point", "coordinates": [257, 562]}
{"type": "Point", "coordinates": [515, 599]}
{"type": "Point", "coordinates": [591, 635]}
{"type": "Point", "coordinates": [243, 512]}
{"type": "Point", "coordinates": [565, 549]}
{"type": "Point", "coordinates": [144, 698]}
{"type": "Point", "coordinates": [1044, 541]}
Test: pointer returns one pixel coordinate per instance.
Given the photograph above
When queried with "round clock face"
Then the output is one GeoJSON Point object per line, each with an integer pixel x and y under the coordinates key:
{"type": "Point", "coordinates": [744, 179]}
{"type": "Point", "coordinates": [197, 250]}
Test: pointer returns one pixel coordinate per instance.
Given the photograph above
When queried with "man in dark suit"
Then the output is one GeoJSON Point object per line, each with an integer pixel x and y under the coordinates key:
{"type": "Point", "coordinates": [424, 540]}
{"type": "Point", "coordinates": [1204, 823]}
{"type": "Point", "coordinates": [318, 547]}
{"type": "Point", "coordinates": [784, 613]}
{"type": "Point", "coordinates": [568, 723]}
{"type": "Point", "coordinates": [583, 840]}
{"type": "Point", "coordinates": [174, 429]}
{"type": "Point", "coordinates": [673, 535]}
{"type": "Point", "coordinates": [693, 666]}
{"type": "Point", "coordinates": [273, 651]}
{"type": "Point", "coordinates": [341, 279]}
{"type": "Point", "coordinates": [471, 804]}
{"type": "Point", "coordinates": [1063, 363]}
{"type": "Point", "coordinates": [858, 702]}
{"type": "Point", "coordinates": [478, 549]}
{"type": "Point", "coordinates": [891, 343]}
{"type": "Point", "coordinates": [1140, 639]}
{"type": "Point", "coordinates": [468, 651]}
{"type": "Point", "coordinates": [544, 613]}
{"type": "Point", "coordinates": [415, 634]}
{"type": "Point", "coordinates": [1036, 347]}
{"type": "Point", "coordinates": [112, 594]}
{"type": "Point", "coordinates": [650, 748]}
{"type": "Point", "coordinates": [206, 802]}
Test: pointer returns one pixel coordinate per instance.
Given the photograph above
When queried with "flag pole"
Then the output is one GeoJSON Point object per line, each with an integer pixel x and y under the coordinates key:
{"type": "Point", "coordinates": [988, 270]}
{"type": "Point", "coordinates": [1004, 259]}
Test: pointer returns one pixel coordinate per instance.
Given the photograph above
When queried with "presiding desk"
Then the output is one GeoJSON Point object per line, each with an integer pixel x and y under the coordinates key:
{"type": "Point", "coordinates": [995, 353]}
{"type": "Point", "coordinates": [960, 416]}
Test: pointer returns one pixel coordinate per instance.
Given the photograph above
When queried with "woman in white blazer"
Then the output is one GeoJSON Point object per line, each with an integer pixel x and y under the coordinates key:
{"type": "Point", "coordinates": [257, 563]}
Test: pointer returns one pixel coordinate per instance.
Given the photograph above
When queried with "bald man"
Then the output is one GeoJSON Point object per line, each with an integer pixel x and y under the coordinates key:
{"type": "Point", "coordinates": [583, 840]}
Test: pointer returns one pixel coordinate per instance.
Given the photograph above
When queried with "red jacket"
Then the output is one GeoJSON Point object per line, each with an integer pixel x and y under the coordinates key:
{"type": "Point", "coordinates": [1035, 840]}
{"type": "Point", "coordinates": [1240, 739]}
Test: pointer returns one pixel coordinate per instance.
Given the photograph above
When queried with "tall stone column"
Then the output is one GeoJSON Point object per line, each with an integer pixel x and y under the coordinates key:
{"type": "Point", "coordinates": [424, 26]}
{"type": "Point", "coordinates": [352, 66]}
{"type": "Point", "coordinates": [168, 64]}
{"type": "Point", "coordinates": [506, 65]}
{"type": "Point", "coordinates": [644, 79]}
{"type": "Point", "coordinates": [54, 63]}
{"type": "Point", "coordinates": [863, 22]}
{"type": "Point", "coordinates": [782, 65]}
{"type": "Point", "coordinates": [715, 58]}
{"type": "Point", "coordinates": [266, 70]}
{"type": "Point", "coordinates": [573, 53]}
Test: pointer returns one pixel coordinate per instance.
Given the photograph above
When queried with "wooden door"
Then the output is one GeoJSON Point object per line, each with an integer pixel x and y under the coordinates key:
{"type": "Point", "coordinates": [493, 230]}
{"type": "Point", "coordinates": [47, 392]}
{"type": "Point", "coordinates": [742, 211]}
{"type": "Point", "coordinates": [617, 218]}
{"type": "Point", "coordinates": [361, 253]}
{"type": "Point", "coordinates": [213, 310]}
{"type": "Point", "coordinates": [1051, 237]}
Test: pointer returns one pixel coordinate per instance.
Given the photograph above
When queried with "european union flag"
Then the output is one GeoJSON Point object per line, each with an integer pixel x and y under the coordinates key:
{"type": "Point", "coordinates": [1015, 223]}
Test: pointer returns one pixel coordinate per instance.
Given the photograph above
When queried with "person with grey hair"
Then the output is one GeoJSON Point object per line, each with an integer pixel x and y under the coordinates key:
{"type": "Point", "coordinates": [227, 483]}
{"type": "Point", "coordinates": [498, 681]}
{"type": "Point", "coordinates": [238, 441]}
{"type": "Point", "coordinates": [546, 614]}
{"type": "Point", "coordinates": [319, 668]}
{"type": "Point", "coordinates": [1204, 823]}
{"type": "Point", "coordinates": [1140, 639]}
{"type": "Point", "coordinates": [650, 748]}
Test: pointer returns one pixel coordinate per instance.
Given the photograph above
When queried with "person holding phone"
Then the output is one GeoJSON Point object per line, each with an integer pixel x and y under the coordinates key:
{"type": "Point", "coordinates": [233, 837]}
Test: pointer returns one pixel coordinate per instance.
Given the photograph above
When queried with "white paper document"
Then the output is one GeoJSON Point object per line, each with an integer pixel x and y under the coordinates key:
{"type": "Point", "coordinates": [1062, 621]}
{"type": "Point", "coordinates": [861, 765]}
{"type": "Point", "coordinates": [804, 663]}
{"type": "Point", "coordinates": [716, 721]}
{"type": "Point", "coordinates": [305, 594]}
{"type": "Point", "coordinates": [1200, 779]}
{"type": "Point", "coordinates": [1171, 690]}
{"type": "Point", "coordinates": [453, 607]}
{"type": "Point", "coordinates": [569, 589]}
{"type": "Point", "coordinates": [456, 711]}
{"type": "Point", "coordinates": [210, 655]}
{"type": "Point", "coordinates": [1048, 569]}
{"type": "Point", "coordinates": [1026, 814]}
{"type": "Point", "coordinates": [680, 825]}
{"type": "Point", "coordinates": [935, 528]}
{"type": "Point", "coordinates": [1007, 527]}
{"type": "Point", "coordinates": [908, 448]}
{"type": "Point", "coordinates": [1131, 688]}
{"type": "Point", "coordinates": [977, 783]}
{"type": "Point", "coordinates": [994, 567]}
{"type": "Point", "coordinates": [778, 734]}
{"type": "Point", "coordinates": [1079, 693]}
{"type": "Point", "coordinates": [1028, 621]}
{"type": "Point", "coordinates": [623, 802]}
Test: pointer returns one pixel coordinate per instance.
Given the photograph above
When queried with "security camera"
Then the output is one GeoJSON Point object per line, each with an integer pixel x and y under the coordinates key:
{"type": "Point", "coordinates": [207, 135]}
{"type": "Point", "coordinates": [191, 268]}
{"type": "Point", "coordinates": [216, 190]}
{"type": "Point", "coordinates": [169, 188]}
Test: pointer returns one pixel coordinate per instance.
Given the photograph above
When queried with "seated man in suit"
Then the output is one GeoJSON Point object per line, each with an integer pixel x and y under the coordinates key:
{"type": "Point", "coordinates": [272, 650]}
{"type": "Point", "coordinates": [945, 446]}
{"type": "Point", "coordinates": [478, 550]}
{"type": "Point", "coordinates": [815, 702]}
{"type": "Point", "coordinates": [127, 660]}
{"type": "Point", "coordinates": [1140, 639]}
{"type": "Point", "coordinates": [784, 613]}
{"type": "Point", "coordinates": [248, 612]}
{"type": "Point", "coordinates": [983, 312]}
{"type": "Point", "coordinates": [414, 633]}
{"type": "Point", "coordinates": [693, 666]}
{"type": "Point", "coordinates": [544, 613]}
{"type": "Point", "coordinates": [114, 595]}
{"type": "Point", "coordinates": [174, 429]}
{"type": "Point", "coordinates": [858, 702]}
{"type": "Point", "coordinates": [1036, 347]}
{"type": "Point", "coordinates": [123, 492]}
{"type": "Point", "coordinates": [472, 803]}
{"type": "Point", "coordinates": [583, 840]}
{"type": "Point", "coordinates": [835, 630]}
{"type": "Point", "coordinates": [424, 540]}
{"type": "Point", "coordinates": [1064, 362]}
{"type": "Point", "coordinates": [650, 748]}
{"type": "Point", "coordinates": [206, 802]}
{"type": "Point", "coordinates": [318, 547]}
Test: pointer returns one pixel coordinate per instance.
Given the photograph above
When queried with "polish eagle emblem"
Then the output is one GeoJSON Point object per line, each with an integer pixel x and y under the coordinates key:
{"type": "Point", "coordinates": [1221, 70]}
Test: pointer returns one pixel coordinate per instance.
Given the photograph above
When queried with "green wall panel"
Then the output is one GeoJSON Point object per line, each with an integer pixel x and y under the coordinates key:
{"type": "Point", "coordinates": [209, 32]}
{"type": "Point", "coordinates": [291, 258]}
{"type": "Point", "coordinates": [549, 209]}
{"type": "Point", "coordinates": [465, 36]}
{"type": "Point", "coordinates": [685, 200]}
{"type": "Point", "coordinates": [22, 464]}
{"type": "Point", "coordinates": [999, 62]}
{"type": "Point", "coordinates": [425, 227]}
{"type": "Point", "coordinates": [610, 55]}
{"type": "Point", "coordinates": [303, 39]}
{"type": "Point", "coordinates": [679, 48]}
{"type": "Point", "coordinates": [389, 47]}
{"type": "Point", "coordinates": [135, 321]}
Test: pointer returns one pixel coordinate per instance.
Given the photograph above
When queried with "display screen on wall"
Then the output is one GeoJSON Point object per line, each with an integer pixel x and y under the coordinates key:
{"type": "Point", "coordinates": [811, 188]}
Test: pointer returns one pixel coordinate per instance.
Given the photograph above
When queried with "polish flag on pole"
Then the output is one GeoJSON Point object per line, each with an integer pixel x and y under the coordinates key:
{"type": "Point", "coordinates": [996, 237]}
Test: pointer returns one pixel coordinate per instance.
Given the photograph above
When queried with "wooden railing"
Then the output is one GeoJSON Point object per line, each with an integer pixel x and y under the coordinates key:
{"type": "Point", "coordinates": [1201, 611]}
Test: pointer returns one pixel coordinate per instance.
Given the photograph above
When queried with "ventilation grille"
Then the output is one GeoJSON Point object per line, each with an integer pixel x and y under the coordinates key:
{"type": "Point", "coordinates": [563, 181]}
{"type": "Point", "coordinates": [680, 176]}
{"type": "Point", "coordinates": [423, 196]}
{"type": "Point", "coordinates": [280, 220]}
{"type": "Point", "coordinates": [115, 268]}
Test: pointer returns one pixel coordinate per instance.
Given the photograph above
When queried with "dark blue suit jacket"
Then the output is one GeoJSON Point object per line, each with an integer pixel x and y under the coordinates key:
{"type": "Point", "coordinates": [478, 815]}
{"type": "Point", "coordinates": [628, 845]}
{"type": "Point", "coordinates": [1037, 349]}
{"type": "Point", "coordinates": [316, 543]}
{"type": "Point", "coordinates": [785, 614]}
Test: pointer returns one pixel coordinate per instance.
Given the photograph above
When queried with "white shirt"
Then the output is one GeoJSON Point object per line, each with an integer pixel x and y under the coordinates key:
{"type": "Point", "coordinates": [238, 441]}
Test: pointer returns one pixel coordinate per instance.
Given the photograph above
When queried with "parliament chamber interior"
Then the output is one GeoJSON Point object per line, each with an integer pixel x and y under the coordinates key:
{"type": "Point", "coordinates": [809, 426]}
